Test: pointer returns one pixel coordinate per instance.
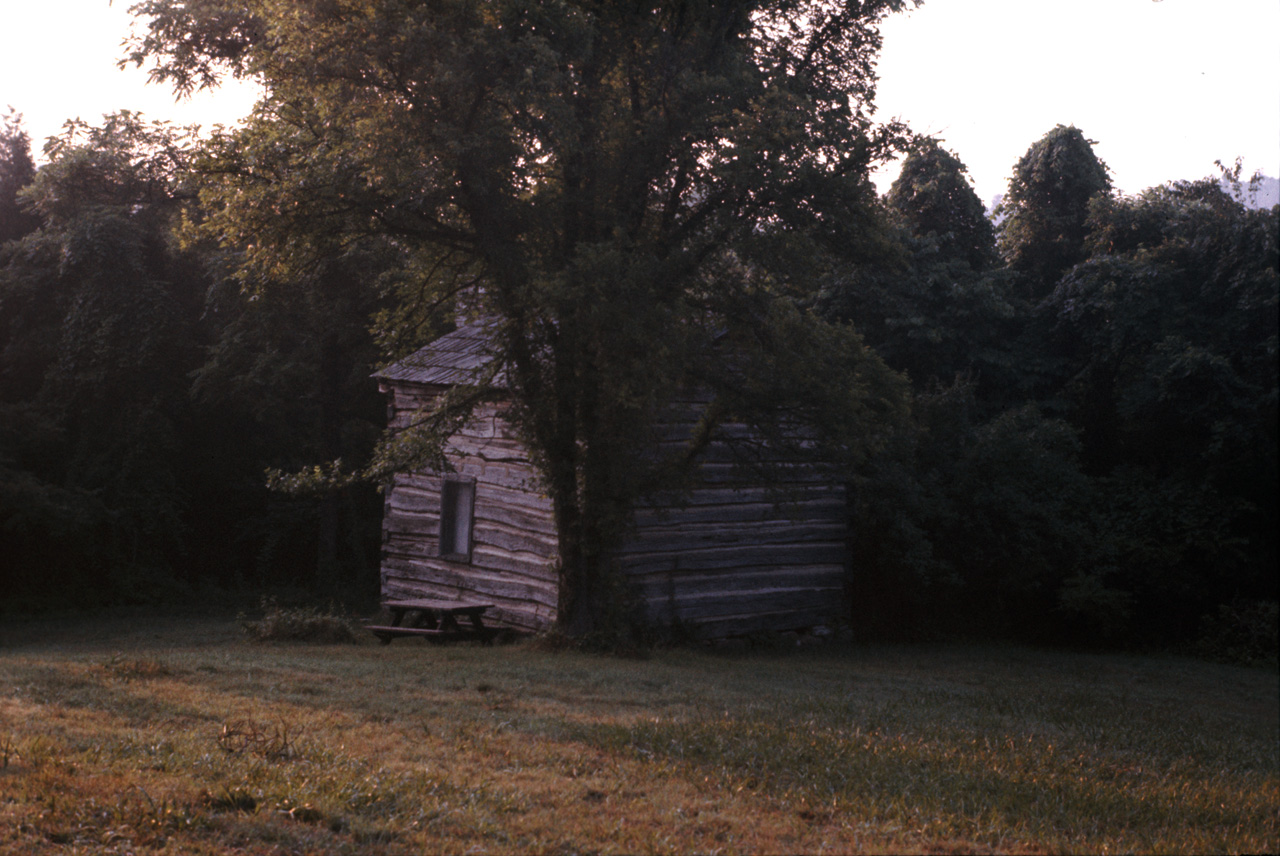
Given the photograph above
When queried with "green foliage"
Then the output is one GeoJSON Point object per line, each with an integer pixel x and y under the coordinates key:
{"type": "Point", "coordinates": [98, 340]}
{"type": "Point", "coordinates": [285, 383]}
{"type": "Point", "coordinates": [930, 316]}
{"type": "Point", "coordinates": [969, 526]}
{"type": "Point", "coordinates": [16, 171]}
{"type": "Point", "coordinates": [933, 199]}
{"type": "Point", "coordinates": [1158, 349]}
{"type": "Point", "coordinates": [1242, 632]}
{"type": "Point", "coordinates": [301, 624]}
{"type": "Point", "coordinates": [1172, 546]}
{"type": "Point", "coordinates": [1046, 207]}
{"type": "Point", "coordinates": [937, 307]}
{"type": "Point", "coordinates": [617, 188]}
{"type": "Point", "coordinates": [144, 392]}
{"type": "Point", "coordinates": [1163, 346]}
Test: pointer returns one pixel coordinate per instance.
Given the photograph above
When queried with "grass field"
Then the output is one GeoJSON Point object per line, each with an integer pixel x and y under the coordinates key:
{"type": "Point", "coordinates": [182, 736]}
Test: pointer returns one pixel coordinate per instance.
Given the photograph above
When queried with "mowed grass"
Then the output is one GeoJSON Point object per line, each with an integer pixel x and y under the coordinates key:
{"type": "Point", "coordinates": [182, 736]}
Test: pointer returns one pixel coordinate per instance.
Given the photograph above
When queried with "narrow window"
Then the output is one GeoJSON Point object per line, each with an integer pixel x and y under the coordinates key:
{"type": "Point", "coordinates": [457, 501]}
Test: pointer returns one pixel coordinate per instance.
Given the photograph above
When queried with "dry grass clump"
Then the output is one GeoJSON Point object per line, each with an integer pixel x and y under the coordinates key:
{"type": "Point", "coordinates": [302, 624]}
{"type": "Point", "coordinates": [269, 741]}
{"type": "Point", "coordinates": [133, 668]}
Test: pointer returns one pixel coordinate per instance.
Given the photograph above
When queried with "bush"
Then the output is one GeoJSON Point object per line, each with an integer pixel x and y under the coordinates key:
{"type": "Point", "coordinates": [1242, 632]}
{"type": "Point", "coordinates": [301, 624]}
{"type": "Point", "coordinates": [969, 527]}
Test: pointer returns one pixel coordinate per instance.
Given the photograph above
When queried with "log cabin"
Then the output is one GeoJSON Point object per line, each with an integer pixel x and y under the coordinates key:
{"type": "Point", "coordinates": [727, 558]}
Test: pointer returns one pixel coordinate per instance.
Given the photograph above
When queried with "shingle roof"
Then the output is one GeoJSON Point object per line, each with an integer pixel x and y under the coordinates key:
{"type": "Point", "coordinates": [454, 358]}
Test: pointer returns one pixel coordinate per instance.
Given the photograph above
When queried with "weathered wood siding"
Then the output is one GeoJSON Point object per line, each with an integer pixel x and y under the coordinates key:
{"type": "Point", "coordinates": [735, 557]}
{"type": "Point", "coordinates": [727, 558]}
{"type": "Point", "coordinates": [513, 542]}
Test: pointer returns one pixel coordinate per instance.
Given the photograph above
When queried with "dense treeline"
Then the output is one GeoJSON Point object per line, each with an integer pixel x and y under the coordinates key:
{"type": "Point", "coordinates": [1091, 452]}
{"type": "Point", "coordinates": [143, 392]}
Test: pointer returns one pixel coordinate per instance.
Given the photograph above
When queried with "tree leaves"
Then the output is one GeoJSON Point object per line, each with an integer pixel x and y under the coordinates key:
{"type": "Point", "coordinates": [1045, 211]}
{"type": "Point", "coordinates": [618, 186]}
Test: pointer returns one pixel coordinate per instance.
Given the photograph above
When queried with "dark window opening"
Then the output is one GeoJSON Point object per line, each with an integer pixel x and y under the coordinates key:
{"type": "Point", "coordinates": [457, 503]}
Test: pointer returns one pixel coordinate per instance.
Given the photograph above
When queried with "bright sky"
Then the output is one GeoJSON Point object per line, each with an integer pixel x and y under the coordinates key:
{"type": "Point", "coordinates": [59, 59]}
{"type": "Point", "coordinates": [1165, 88]}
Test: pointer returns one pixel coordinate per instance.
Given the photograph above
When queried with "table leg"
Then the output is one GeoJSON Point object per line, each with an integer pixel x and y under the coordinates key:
{"type": "Point", "coordinates": [477, 624]}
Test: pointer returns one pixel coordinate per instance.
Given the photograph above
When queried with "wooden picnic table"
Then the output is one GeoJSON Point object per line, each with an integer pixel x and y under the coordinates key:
{"type": "Point", "coordinates": [435, 620]}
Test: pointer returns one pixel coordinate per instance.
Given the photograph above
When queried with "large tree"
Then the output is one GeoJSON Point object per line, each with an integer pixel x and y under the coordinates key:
{"type": "Point", "coordinates": [286, 383]}
{"type": "Point", "coordinates": [1162, 349]}
{"type": "Point", "coordinates": [635, 193]}
{"type": "Point", "coordinates": [934, 200]}
{"type": "Point", "coordinates": [1047, 206]}
{"type": "Point", "coordinates": [16, 171]}
{"type": "Point", "coordinates": [98, 312]}
{"type": "Point", "coordinates": [938, 306]}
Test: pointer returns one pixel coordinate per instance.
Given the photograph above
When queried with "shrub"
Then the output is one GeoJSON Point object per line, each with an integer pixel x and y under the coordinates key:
{"type": "Point", "coordinates": [1242, 632]}
{"type": "Point", "coordinates": [969, 527]}
{"type": "Point", "coordinates": [301, 624]}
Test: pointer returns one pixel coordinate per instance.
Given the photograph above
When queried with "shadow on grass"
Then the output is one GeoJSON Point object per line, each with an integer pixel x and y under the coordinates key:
{"type": "Point", "coordinates": [955, 785]}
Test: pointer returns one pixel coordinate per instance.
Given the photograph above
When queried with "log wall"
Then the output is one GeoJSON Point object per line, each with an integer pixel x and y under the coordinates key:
{"type": "Point", "coordinates": [732, 559]}
{"type": "Point", "coordinates": [725, 559]}
{"type": "Point", "coordinates": [513, 542]}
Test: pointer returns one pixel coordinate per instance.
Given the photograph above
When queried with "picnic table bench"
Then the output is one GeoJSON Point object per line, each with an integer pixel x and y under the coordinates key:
{"type": "Point", "coordinates": [435, 620]}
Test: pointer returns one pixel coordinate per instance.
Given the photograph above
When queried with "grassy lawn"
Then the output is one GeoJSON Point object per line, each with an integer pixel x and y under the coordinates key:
{"type": "Point", "coordinates": [181, 736]}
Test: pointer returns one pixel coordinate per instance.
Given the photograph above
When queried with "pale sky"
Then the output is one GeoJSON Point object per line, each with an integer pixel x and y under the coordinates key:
{"type": "Point", "coordinates": [1165, 88]}
{"type": "Point", "coordinates": [58, 62]}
